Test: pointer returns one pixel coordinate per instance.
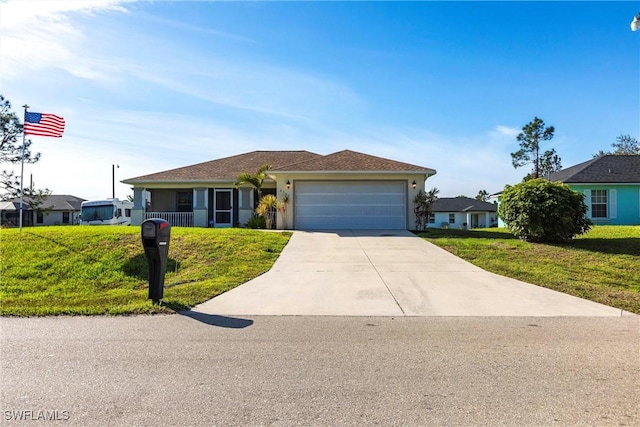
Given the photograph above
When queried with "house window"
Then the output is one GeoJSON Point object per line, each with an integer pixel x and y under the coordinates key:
{"type": "Point", "coordinates": [245, 198]}
{"type": "Point", "coordinates": [432, 218]}
{"type": "Point", "coordinates": [65, 217]}
{"type": "Point", "coordinates": [452, 218]}
{"type": "Point", "coordinates": [184, 201]}
{"type": "Point", "coordinates": [598, 203]}
{"type": "Point", "coordinates": [39, 218]}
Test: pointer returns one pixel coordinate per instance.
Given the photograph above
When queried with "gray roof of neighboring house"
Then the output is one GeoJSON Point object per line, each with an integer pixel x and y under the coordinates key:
{"type": "Point", "coordinates": [461, 204]}
{"type": "Point", "coordinates": [608, 169]}
{"type": "Point", "coordinates": [228, 168]}
{"type": "Point", "coordinates": [53, 202]}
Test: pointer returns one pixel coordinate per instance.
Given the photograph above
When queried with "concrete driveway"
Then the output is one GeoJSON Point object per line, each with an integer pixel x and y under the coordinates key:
{"type": "Point", "coordinates": [388, 273]}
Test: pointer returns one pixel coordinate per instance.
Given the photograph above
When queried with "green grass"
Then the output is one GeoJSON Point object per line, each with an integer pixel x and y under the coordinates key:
{"type": "Point", "coordinates": [102, 270]}
{"type": "Point", "coordinates": [78, 270]}
{"type": "Point", "coordinates": [602, 265]}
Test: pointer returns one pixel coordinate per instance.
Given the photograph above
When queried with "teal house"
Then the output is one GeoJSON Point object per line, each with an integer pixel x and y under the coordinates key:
{"type": "Point", "coordinates": [611, 185]}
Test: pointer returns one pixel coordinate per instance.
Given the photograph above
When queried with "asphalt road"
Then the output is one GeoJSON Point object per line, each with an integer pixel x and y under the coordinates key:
{"type": "Point", "coordinates": [211, 370]}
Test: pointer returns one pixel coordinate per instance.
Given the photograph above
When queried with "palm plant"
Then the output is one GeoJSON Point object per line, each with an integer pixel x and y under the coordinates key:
{"type": "Point", "coordinates": [422, 207]}
{"type": "Point", "coordinates": [267, 208]}
{"type": "Point", "coordinates": [255, 179]}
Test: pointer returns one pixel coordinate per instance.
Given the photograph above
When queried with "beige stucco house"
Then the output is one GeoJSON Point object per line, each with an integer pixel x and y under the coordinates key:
{"type": "Point", "coordinates": [343, 190]}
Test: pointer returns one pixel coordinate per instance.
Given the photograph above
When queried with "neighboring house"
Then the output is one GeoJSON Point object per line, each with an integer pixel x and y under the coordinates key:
{"type": "Point", "coordinates": [462, 212]}
{"type": "Point", "coordinates": [57, 209]}
{"type": "Point", "coordinates": [611, 184]}
{"type": "Point", "coordinates": [343, 190]}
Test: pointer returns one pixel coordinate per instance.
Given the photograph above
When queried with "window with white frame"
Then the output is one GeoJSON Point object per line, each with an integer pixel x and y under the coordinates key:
{"type": "Point", "coordinates": [598, 203]}
{"type": "Point", "coordinates": [432, 218]}
{"type": "Point", "coordinates": [452, 218]}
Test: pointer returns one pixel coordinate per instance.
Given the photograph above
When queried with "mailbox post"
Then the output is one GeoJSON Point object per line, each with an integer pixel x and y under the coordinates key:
{"type": "Point", "coordinates": [155, 240]}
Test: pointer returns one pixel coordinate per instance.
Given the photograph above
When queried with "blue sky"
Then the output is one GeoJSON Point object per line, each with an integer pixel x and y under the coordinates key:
{"type": "Point", "coordinates": [154, 85]}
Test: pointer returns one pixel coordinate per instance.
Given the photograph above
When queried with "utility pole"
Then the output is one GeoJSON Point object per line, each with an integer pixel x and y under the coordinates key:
{"type": "Point", "coordinates": [113, 180]}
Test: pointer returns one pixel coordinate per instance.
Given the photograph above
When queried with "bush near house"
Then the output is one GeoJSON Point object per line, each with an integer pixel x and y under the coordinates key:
{"type": "Point", "coordinates": [541, 211]}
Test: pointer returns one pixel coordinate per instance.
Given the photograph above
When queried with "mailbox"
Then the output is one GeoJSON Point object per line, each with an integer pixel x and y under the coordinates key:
{"type": "Point", "coordinates": [155, 240]}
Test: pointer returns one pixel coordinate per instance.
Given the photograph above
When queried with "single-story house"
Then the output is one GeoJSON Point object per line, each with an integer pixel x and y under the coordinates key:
{"type": "Point", "coordinates": [462, 212]}
{"type": "Point", "coordinates": [343, 190]}
{"type": "Point", "coordinates": [57, 209]}
{"type": "Point", "coordinates": [611, 184]}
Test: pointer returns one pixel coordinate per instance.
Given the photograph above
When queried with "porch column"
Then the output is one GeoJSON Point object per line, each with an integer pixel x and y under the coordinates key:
{"type": "Point", "coordinates": [200, 208]}
{"type": "Point", "coordinates": [468, 220]}
{"type": "Point", "coordinates": [139, 202]}
{"type": "Point", "coordinates": [487, 219]}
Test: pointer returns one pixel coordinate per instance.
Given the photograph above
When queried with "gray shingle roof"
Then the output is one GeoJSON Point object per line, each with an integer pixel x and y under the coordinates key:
{"type": "Point", "coordinates": [53, 202]}
{"type": "Point", "coordinates": [608, 169]}
{"type": "Point", "coordinates": [228, 168]}
{"type": "Point", "coordinates": [353, 161]}
{"type": "Point", "coordinates": [462, 204]}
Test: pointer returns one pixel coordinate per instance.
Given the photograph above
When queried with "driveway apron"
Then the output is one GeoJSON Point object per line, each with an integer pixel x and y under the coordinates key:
{"type": "Point", "coordinates": [387, 273]}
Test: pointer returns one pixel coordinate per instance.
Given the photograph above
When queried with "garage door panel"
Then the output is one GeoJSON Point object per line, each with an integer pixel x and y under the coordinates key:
{"type": "Point", "coordinates": [350, 205]}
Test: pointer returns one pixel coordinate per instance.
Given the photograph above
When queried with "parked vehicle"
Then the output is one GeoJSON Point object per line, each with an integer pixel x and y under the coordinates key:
{"type": "Point", "coordinates": [106, 212]}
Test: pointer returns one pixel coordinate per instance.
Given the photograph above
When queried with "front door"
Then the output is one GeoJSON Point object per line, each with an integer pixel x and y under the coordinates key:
{"type": "Point", "coordinates": [222, 208]}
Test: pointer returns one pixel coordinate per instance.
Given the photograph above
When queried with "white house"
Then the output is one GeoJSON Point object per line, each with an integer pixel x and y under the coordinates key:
{"type": "Point", "coordinates": [462, 212]}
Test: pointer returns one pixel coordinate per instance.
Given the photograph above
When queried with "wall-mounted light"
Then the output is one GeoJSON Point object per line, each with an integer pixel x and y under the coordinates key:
{"type": "Point", "coordinates": [413, 184]}
{"type": "Point", "coordinates": [288, 184]}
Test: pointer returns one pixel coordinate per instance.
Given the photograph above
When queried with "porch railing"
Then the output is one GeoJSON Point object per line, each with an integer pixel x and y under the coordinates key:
{"type": "Point", "coordinates": [176, 219]}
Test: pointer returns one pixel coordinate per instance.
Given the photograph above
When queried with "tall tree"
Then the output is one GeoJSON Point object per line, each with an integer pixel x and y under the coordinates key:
{"type": "Point", "coordinates": [549, 162]}
{"type": "Point", "coordinates": [483, 195]}
{"type": "Point", "coordinates": [11, 152]}
{"type": "Point", "coordinates": [533, 133]}
{"type": "Point", "coordinates": [624, 145]}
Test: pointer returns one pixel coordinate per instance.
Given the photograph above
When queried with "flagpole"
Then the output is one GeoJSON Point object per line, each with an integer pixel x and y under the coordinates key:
{"type": "Point", "coordinates": [22, 164]}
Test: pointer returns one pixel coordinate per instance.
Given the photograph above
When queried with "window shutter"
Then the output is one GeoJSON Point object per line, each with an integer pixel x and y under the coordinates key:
{"type": "Point", "coordinates": [587, 201]}
{"type": "Point", "coordinates": [613, 204]}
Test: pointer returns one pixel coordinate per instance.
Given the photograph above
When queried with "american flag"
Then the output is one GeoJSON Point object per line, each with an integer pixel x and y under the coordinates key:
{"type": "Point", "coordinates": [42, 124]}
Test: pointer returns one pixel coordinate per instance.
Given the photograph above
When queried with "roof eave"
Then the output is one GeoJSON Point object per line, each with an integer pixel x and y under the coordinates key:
{"type": "Point", "coordinates": [173, 181]}
{"type": "Point", "coordinates": [602, 183]}
{"type": "Point", "coordinates": [428, 172]}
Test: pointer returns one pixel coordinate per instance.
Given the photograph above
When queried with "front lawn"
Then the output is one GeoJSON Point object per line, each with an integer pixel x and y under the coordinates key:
{"type": "Point", "coordinates": [102, 269]}
{"type": "Point", "coordinates": [602, 265]}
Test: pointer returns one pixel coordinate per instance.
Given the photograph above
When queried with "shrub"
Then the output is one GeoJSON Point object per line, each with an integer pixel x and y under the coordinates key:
{"type": "Point", "coordinates": [267, 208]}
{"type": "Point", "coordinates": [256, 222]}
{"type": "Point", "coordinates": [541, 211]}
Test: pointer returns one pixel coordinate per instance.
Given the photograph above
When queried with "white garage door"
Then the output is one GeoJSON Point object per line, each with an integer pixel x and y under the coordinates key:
{"type": "Point", "coordinates": [364, 205]}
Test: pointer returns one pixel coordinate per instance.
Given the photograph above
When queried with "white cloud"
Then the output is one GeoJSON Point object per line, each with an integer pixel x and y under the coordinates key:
{"type": "Point", "coordinates": [507, 131]}
{"type": "Point", "coordinates": [247, 106]}
{"type": "Point", "coordinates": [464, 165]}
{"type": "Point", "coordinates": [43, 34]}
